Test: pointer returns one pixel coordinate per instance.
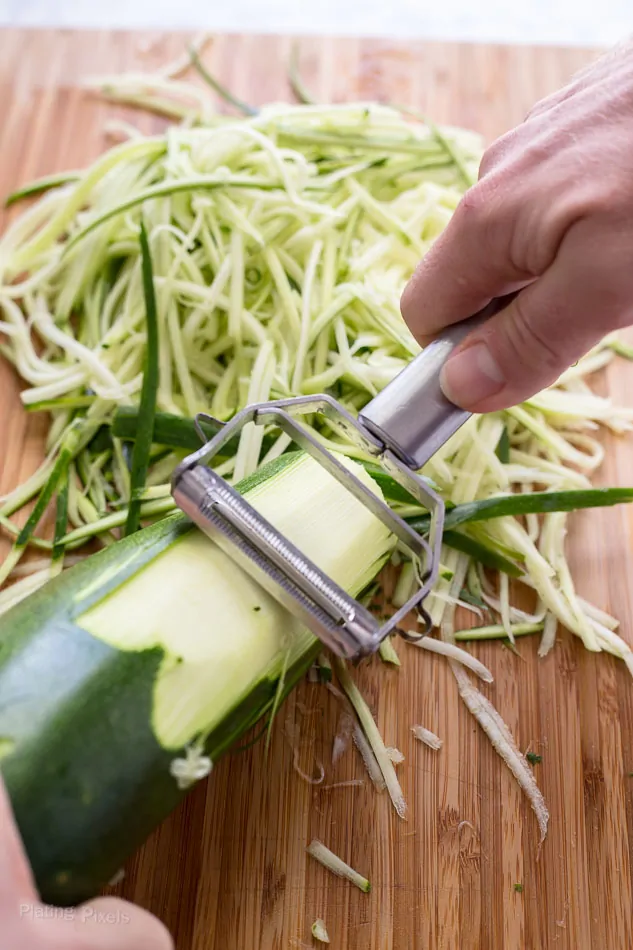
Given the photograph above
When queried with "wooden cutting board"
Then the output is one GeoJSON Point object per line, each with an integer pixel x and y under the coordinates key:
{"type": "Point", "coordinates": [228, 871]}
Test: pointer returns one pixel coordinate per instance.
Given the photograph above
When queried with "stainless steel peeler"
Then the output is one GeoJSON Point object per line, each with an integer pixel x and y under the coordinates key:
{"type": "Point", "coordinates": [401, 428]}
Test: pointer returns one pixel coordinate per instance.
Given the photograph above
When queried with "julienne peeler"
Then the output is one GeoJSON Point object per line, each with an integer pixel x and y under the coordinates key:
{"type": "Point", "coordinates": [401, 429]}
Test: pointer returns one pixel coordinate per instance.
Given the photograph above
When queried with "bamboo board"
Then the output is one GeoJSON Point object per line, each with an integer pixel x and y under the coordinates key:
{"type": "Point", "coordinates": [228, 871]}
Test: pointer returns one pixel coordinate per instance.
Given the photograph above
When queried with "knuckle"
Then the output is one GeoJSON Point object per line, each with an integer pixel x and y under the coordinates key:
{"type": "Point", "coordinates": [488, 161]}
{"type": "Point", "coordinates": [473, 205]}
{"type": "Point", "coordinates": [542, 106]}
{"type": "Point", "coordinates": [542, 151]}
{"type": "Point", "coordinates": [535, 111]}
{"type": "Point", "coordinates": [498, 152]}
{"type": "Point", "coordinates": [481, 207]}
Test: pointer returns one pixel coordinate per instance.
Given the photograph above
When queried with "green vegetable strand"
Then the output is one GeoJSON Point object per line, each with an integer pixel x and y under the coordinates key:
{"type": "Point", "coordinates": [147, 406]}
{"type": "Point", "coordinates": [39, 185]}
{"type": "Point", "coordinates": [297, 84]}
{"type": "Point", "coordinates": [217, 86]}
{"type": "Point", "coordinates": [533, 503]}
{"type": "Point", "coordinates": [61, 520]}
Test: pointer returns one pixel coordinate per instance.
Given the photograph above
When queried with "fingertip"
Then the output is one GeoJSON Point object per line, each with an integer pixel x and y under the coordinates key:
{"type": "Point", "coordinates": [409, 297]}
{"type": "Point", "coordinates": [158, 936]}
{"type": "Point", "coordinates": [422, 303]}
{"type": "Point", "coordinates": [120, 925]}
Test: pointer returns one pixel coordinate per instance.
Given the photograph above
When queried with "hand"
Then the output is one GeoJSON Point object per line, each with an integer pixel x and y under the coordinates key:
{"type": "Point", "coordinates": [25, 923]}
{"type": "Point", "coordinates": [551, 216]}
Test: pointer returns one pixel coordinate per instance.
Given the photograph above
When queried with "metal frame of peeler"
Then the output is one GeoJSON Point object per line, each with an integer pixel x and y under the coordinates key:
{"type": "Point", "coordinates": [402, 427]}
{"type": "Point", "coordinates": [336, 618]}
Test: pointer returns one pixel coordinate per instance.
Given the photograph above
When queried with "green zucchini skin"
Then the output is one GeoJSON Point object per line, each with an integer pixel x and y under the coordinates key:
{"type": "Point", "coordinates": [176, 432]}
{"type": "Point", "coordinates": [87, 779]}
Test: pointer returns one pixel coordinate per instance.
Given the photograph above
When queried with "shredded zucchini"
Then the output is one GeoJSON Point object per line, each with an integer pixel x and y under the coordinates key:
{"type": "Point", "coordinates": [319, 931]}
{"type": "Point", "coordinates": [279, 244]}
{"type": "Point", "coordinates": [427, 737]}
{"type": "Point", "coordinates": [372, 734]}
{"type": "Point", "coordinates": [336, 865]}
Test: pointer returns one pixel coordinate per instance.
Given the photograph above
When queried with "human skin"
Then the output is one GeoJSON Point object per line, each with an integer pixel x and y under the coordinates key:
{"type": "Point", "coordinates": [104, 924]}
{"type": "Point", "coordinates": [551, 217]}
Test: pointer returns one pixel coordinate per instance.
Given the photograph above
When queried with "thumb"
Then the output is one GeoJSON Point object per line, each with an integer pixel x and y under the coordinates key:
{"type": "Point", "coordinates": [525, 347]}
{"type": "Point", "coordinates": [108, 923]}
{"type": "Point", "coordinates": [16, 879]}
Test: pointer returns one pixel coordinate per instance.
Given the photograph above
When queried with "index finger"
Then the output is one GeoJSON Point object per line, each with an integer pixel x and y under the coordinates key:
{"type": "Point", "coordinates": [467, 266]}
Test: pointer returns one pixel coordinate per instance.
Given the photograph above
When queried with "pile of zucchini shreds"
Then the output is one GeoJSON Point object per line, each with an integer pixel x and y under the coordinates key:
{"type": "Point", "coordinates": [279, 245]}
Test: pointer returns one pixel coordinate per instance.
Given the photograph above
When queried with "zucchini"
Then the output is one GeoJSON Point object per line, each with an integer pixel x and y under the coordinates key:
{"type": "Point", "coordinates": [159, 643]}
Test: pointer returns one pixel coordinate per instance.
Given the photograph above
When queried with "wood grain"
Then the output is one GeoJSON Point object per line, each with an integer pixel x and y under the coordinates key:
{"type": "Point", "coordinates": [228, 871]}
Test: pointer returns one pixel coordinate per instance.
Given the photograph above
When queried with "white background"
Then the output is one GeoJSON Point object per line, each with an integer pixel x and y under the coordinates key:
{"type": "Point", "coordinates": [575, 22]}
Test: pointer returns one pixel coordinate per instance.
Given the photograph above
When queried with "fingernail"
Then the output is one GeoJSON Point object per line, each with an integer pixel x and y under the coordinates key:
{"type": "Point", "coordinates": [471, 375]}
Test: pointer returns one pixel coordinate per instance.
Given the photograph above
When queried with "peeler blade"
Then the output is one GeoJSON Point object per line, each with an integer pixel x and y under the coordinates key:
{"type": "Point", "coordinates": [337, 619]}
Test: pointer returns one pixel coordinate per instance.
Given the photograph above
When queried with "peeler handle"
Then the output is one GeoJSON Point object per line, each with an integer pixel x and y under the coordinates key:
{"type": "Point", "coordinates": [412, 416]}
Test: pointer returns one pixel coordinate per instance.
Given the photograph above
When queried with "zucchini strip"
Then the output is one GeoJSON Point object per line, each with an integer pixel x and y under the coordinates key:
{"type": "Point", "coordinates": [147, 407]}
{"type": "Point", "coordinates": [217, 86]}
{"type": "Point", "coordinates": [534, 503]}
{"type": "Point", "coordinates": [297, 84]}
{"type": "Point", "coordinates": [39, 185]}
